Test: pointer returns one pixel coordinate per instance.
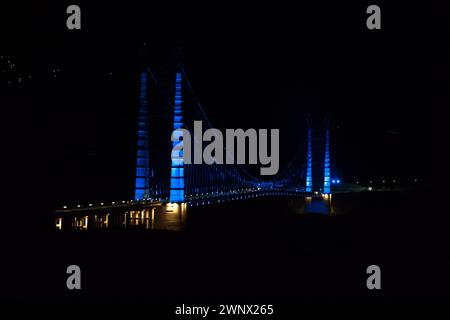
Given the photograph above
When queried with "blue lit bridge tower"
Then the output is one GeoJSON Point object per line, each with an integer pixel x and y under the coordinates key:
{"type": "Point", "coordinates": [142, 184]}
{"type": "Point", "coordinates": [313, 154]}
{"type": "Point", "coordinates": [177, 163]}
{"type": "Point", "coordinates": [309, 185]}
{"type": "Point", "coordinates": [326, 166]}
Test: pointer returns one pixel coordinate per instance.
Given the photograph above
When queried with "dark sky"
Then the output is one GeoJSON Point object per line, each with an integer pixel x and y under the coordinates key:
{"type": "Point", "coordinates": [70, 127]}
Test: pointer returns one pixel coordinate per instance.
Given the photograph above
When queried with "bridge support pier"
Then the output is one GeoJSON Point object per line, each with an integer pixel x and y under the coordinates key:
{"type": "Point", "coordinates": [309, 181]}
{"type": "Point", "coordinates": [177, 163]}
{"type": "Point", "coordinates": [142, 185]}
{"type": "Point", "coordinates": [327, 169]}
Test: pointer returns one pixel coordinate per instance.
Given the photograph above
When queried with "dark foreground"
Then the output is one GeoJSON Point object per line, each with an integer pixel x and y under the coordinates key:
{"type": "Point", "coordinates": [258, 250]}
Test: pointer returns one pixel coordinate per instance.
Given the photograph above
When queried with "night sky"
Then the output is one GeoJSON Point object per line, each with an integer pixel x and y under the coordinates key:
{"type": "Point", "coordinates": [71, 118]}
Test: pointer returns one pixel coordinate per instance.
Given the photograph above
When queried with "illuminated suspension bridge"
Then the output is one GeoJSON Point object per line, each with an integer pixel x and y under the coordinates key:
{"type": "Point", "coordinates": [161, 177]}
{"type": "Point", "coordinates": [167, 103]}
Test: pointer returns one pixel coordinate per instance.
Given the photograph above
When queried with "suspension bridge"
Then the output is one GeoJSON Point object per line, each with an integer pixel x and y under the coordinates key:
{"type": "Point", "coordinates": [163, 178]}
{"type": "Point", "coordinates": [167, 102]}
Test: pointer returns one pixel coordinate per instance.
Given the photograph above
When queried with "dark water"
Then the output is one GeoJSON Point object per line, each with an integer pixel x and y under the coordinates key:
{"type": "Point", "coordinates": [278, 248]}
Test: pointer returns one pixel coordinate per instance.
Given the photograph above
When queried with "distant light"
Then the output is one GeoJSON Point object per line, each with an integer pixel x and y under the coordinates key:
{"type": "Point", "coordinates": [384, 181]}
{"type": "Point", "coordinates": [338, 181]}
{"type": "Point", "coordinates": [123, 201]}
{"type": "Point", "coordinates": [78, 205]}
{"type": "Point", "coordinates": [369, 188]}
{"type": "Point", "coordinates": [90, 204]}
{"type": "Point", "coordinates": [357, 182]}
{"type": "Point", "coordinates": [101, 203]}
{"type": "Point", "coordinates": [394, 181]}
{"type": "Point", "coordinates": [113, 202]}
{"type": "Point", "coordinates": [65, 207]}
{"type": "Point", "coordinates": [415, 180]}
{"type": "Point", "coordinates": [370, 182]}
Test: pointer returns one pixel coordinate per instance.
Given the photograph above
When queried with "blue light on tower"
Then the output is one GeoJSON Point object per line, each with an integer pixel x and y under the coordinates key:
{"type": "Point", "coordinates": [326, 178]}
{"type": "Point", "coordinates": [142, 185]}
{"type": "Point", "coordinates": [177, 165]}
{"type": "Point", "coordinates": [309, 162]}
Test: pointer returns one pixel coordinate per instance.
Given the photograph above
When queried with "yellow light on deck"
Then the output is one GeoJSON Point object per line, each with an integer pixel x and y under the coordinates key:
{"type": "Point", "coordinates": [172, 204]}
{"type": "Point", "coordinates": [59, 222]}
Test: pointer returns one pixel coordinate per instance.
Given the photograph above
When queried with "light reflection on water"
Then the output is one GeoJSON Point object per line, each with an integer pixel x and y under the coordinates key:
{"type": "Point", "coordinates": [319, 205]}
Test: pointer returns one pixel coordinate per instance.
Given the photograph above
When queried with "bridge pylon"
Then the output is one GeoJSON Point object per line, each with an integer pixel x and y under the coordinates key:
{"type": "Point", "coordinates": [326, 164]}
{"type": "Point", "coordinates": [309, 179]}
{"type": "Point", "coordinates": [142, 182]}
{"type": "Point", "coordinates": [176, 193]}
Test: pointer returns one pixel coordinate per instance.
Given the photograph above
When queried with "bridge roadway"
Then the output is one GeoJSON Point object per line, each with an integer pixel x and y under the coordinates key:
{"type": "Point", "coordinates": [198, 199]}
